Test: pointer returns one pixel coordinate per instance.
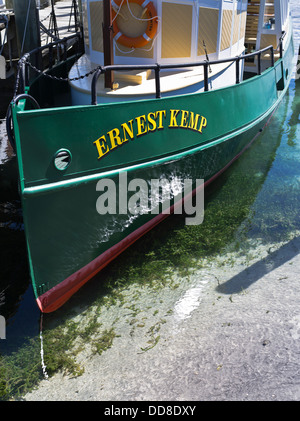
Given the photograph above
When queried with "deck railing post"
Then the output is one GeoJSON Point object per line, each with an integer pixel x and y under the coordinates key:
{"type": "Point", "coordinates": [237, 70]}
{"type": "Point", "coordinates": [259, 63]}
{"type": "Point", "coordinates": [157, 81]}
{"type": "Point", "coordinates": [205, 76]}
{"type": "Point", "coordinates": [94, 85]}
{"type": "Point", "coordinates": [283, 34]}
{"type": "Point", "coordinates": [272, 56]}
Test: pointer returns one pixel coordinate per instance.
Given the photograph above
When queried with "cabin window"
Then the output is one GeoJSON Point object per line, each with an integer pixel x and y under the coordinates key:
{"type": "Point", "coordinates": [207, 31]}
{"type": "Point", "coordinates": [268, 39]}
{"type": "Point", "coordinates": [176, 30]}
{"type": "Point", "coordinates": [226, 29]}
{"type": "Point", "coordinates": [243, 24]}
{"type": "Point", "coordinates": [236, 26]}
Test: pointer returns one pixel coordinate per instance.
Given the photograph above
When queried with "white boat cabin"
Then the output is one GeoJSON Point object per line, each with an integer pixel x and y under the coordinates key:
{"type": "Point", "coordinates": [175, 32]}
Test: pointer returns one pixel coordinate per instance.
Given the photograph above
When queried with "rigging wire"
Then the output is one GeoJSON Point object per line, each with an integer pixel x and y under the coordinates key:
{"type": "Point", "coordinates": [25, 27]}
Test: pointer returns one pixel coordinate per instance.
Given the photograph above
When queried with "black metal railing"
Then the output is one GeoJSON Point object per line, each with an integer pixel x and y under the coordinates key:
{"type": "Point", "coordinates": [61, 49]}
{"type": "Point", "coordinates": [158, 67]}
{"type": "Point", "coordinates": [45, 58]}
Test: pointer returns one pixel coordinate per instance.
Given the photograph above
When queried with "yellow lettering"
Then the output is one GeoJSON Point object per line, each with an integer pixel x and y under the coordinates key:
{"type": "Point", "coordinates": [202, 124]}
{"type": "Point", "coordinates": [114, 136]}
{"type": "Point", "coordinates": [151, 117]}
{"type": "Point", "coordinates": [128, 130]}
{"type": "Point", "coordinates": [148, 123]}
{"type": "Point", "coordinates": [160, 113]}
{"type": "Point", "coordinates": [173, 122]}
{"type": "Point", "coordinates": [101, 146]}
{"type": "Point", "coordinates": [184, 115]}
{"type": "Point", "coordinates": [141, 125]}
{"type": "Point", "coordinates": [193, 121]}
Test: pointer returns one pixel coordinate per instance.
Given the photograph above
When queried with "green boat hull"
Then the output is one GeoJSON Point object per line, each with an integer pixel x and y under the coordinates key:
{"type": "Point", "coordinates": [194, 136]}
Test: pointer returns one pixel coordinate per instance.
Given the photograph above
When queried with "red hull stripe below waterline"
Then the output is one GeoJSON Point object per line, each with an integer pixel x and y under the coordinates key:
{"type": "Point", "coordinates": [58, 295]}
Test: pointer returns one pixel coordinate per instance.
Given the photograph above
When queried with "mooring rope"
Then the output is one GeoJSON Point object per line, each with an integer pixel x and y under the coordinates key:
{"type": "Point", "coordinates": [42, 349]}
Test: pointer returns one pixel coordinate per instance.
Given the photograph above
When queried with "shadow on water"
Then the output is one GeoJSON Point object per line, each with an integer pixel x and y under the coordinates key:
{"type": "Point", "coordinates": [254, 273]}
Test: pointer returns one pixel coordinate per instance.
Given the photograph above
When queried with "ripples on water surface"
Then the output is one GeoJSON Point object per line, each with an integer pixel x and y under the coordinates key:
{"type": "Point", "coordinates": [252, 209]}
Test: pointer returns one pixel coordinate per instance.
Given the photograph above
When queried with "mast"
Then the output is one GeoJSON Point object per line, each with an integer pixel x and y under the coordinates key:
{"type": "Point", "coordinates": [108, 43]}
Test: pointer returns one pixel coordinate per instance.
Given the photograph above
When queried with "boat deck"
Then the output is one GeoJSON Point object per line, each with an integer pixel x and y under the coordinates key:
{"type": "Point", "coordinates": [141, 84]}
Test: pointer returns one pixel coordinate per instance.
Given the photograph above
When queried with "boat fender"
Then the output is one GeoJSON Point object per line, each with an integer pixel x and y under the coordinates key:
{"type": "Point", "coordinates": [151, 17]}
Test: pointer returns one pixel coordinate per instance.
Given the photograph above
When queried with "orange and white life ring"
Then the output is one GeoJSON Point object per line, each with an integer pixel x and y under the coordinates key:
{"type": "Point", "coordinates": [152, 22]}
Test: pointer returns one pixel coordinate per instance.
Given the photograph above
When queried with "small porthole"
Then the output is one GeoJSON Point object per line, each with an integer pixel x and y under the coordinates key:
{"type": "Point", "coordinates": [62, 159]}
